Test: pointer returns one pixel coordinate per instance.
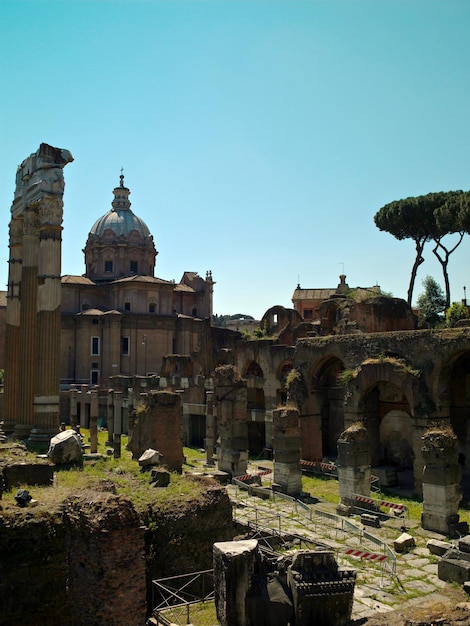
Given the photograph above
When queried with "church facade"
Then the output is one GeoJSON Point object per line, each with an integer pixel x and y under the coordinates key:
{"type": "Point", "coordinates": [119, 318]}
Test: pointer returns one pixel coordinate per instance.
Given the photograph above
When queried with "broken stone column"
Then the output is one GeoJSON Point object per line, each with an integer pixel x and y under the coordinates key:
{"type": "Point", "coordinates": [158, 426]}
{"type": "Point", "coordinates": [33, 349]}
{"type": "Point", "coordinates": [106, 560]}
{"type": "Point", "coordinates": [117, 424]}
{"type": "Point", "coordinates": [73, 406]}
{"type": "Point", "coordinates": [110, 417]}
{"type": "Point", "coordinates": [210, 428]}
{"type": "Point", "coordinates": [231, 397]}
{"type": "Point", "coordinates": [322, 592]}
{"type": "Point", "coordinates": [94, 421]}
{"type": "Point", "coordinates": [353, 466]}
{"type": "Point", "coordinates": [287, 443]}
{"type": "Point", "coordinates": [442, 491]}
{"type": "Point", "coordinates": [234, 565]}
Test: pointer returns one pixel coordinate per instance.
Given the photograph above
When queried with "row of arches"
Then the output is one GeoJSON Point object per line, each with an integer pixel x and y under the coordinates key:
{"type": "Point", "coordinates": [395, 400]}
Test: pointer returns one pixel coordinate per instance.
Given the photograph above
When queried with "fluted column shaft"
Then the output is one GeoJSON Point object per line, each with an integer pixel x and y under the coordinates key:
{"type": "Point", "coordinates": [12, 326]}
{"type": "Point", "coordinates": [47, 380]}
{"type": "Point", "coordinates": [27, 339]}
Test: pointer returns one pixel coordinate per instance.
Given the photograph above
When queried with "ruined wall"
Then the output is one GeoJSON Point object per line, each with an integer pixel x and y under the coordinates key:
{"type": "Point", "coordinates": [33, 563]}
{"type": "Point", "coordinates": [180, 537]}
{"type": "Point", "coordinates": [33, 571]}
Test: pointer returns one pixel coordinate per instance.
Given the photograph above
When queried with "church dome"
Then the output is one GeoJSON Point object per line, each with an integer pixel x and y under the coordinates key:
{"type": "Point", "coordinates": [119, 243]}
{"type": "Point", "coordinates": [120, 219]}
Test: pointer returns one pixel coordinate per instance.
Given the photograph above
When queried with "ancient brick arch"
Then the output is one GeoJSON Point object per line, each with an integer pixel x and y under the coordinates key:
{"type": "Point", "coordinates": [381, 393]}
{"type": "Point", "coordinates": [322, 412]}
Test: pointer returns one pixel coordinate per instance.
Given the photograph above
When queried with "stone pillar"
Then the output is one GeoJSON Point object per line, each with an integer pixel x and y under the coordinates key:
{"type": "Point", "coordinates": [210, 428]}
{"type": "Point", "coordinates": [73, 407]}
{"type": "Point", "coordinates": [117, 423]}
{"type": "Point", "coordinates": [442, 491]}
{"type": "Point", "coordinates": [12, 327]}
{"type": "Point", "coordinates": [287, 442]}
{"type": "Point", "coordinates": [231, 397]}
{"type": "Point", "coordinates": [33, 358]}
{"type": "Point", "coordinates": [82, 399]}
{"type": "Point", "coordinates": [234, 565]}
{"type": "Point", "coordinates": [110, 417]}
{"type": "Point", "coordinates": [158, 427]}
{"type": "Point", "coordinates": [47, 381]}
{"type": "Point", "coordinates": [131, 411]}
{"type": "Point", "coordinates": [94, 421]}
{"type": "Point", "coordinates": [353, 466]}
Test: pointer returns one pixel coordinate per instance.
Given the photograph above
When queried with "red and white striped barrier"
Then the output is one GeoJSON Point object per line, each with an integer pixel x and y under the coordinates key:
{"type": "Point", "coordinates": [364, 554]}
{"type": "Point", "coordinates": [244, 478]}
{"type": "Point", "coordinates": [265, 473]}
{"type": "Point", "coordinates": [247, 477]}
{"type": "Point", "coordinates": [389, 505]}
{"type": "Point", "coordinates": [323, 466]}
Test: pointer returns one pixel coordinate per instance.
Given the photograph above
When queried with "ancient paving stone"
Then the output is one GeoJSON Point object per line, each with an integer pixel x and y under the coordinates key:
{"type": "Point", "coordinates": [418, 563]}
{"type": "Point", "coordinates": [421, 586]}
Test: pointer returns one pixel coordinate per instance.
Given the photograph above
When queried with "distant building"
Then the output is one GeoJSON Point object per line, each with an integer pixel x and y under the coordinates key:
{"type": "Point", "coordinates": [119, 318]}
{"type": "Point", "coordinates": [307, 301]}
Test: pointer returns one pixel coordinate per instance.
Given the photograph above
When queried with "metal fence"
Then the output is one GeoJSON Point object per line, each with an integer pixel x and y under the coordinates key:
{"type": "Point", "coordinates": [173, 597]}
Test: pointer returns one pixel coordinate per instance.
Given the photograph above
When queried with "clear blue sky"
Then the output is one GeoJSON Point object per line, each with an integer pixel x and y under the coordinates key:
{"type": "Point", "coordinates": [258, 138]}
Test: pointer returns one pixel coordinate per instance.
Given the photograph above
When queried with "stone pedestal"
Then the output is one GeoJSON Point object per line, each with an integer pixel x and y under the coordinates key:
{"type": "Point", "coordinates": [287, 443]}
{"type": "Point", "coordinates": [231, 398]}
{"type": "Point", "coordinates": [442, 491]}
{"type": "Point", "coordinates": [234, 565]}
{"type": "Point", "coordinates": [353, 466]}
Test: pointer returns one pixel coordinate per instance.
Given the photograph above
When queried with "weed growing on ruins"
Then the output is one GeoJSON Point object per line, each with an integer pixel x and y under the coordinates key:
{"type": "Point", "coordinates": [347, 376]}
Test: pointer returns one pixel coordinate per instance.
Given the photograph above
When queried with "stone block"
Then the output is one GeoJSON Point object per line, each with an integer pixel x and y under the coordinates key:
{"type": "Point", "coordinates": [464, 544]}
{"type": "Point", "coordinates": [454, 570]}
{"type": "Point", "coordinates": [403, 543]}
{"type": "Point", "coordinates": [438, 547]}
{"type": "Point", "coordinates": [18, 474]}
{"type": "Point", "coordinates": [370, 520]}
{"type": "Point", "coordinates": [66, 447]}
{"type": "Point", "coordinates": [160, 478]}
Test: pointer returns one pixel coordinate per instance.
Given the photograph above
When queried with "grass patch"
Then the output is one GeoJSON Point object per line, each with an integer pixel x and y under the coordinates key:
{"type": "Point", "coordinates": [124, 473]}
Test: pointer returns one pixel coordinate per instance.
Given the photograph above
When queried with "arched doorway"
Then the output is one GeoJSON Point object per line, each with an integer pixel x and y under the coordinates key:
{"type": "Point", "coordinates": [328, 396]}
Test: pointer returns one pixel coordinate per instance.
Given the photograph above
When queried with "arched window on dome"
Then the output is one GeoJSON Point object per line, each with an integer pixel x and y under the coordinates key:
{"type": "Point", "coordinates": [108, 267]}
{"type": "Point", "coordinates": [133, 267]}
{"type": "Point", "coordinates": [127, 305]}
{"type": "Point", "coordinates": [85, 305]}
{"type": "Point", "coordinates": [152, 305]}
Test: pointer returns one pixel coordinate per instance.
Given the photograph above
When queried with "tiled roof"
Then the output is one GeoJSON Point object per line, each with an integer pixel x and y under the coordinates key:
{"type": "Point", "coordinates": [313, 294]}
{"type": "Point", "coordinates": [76, 280]}
{"type": "Point", "coordinates": [142, 279]}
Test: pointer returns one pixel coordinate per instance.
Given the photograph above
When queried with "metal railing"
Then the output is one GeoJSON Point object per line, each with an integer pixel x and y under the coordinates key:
{"type": "Point", "coordinates": [174, 596]}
